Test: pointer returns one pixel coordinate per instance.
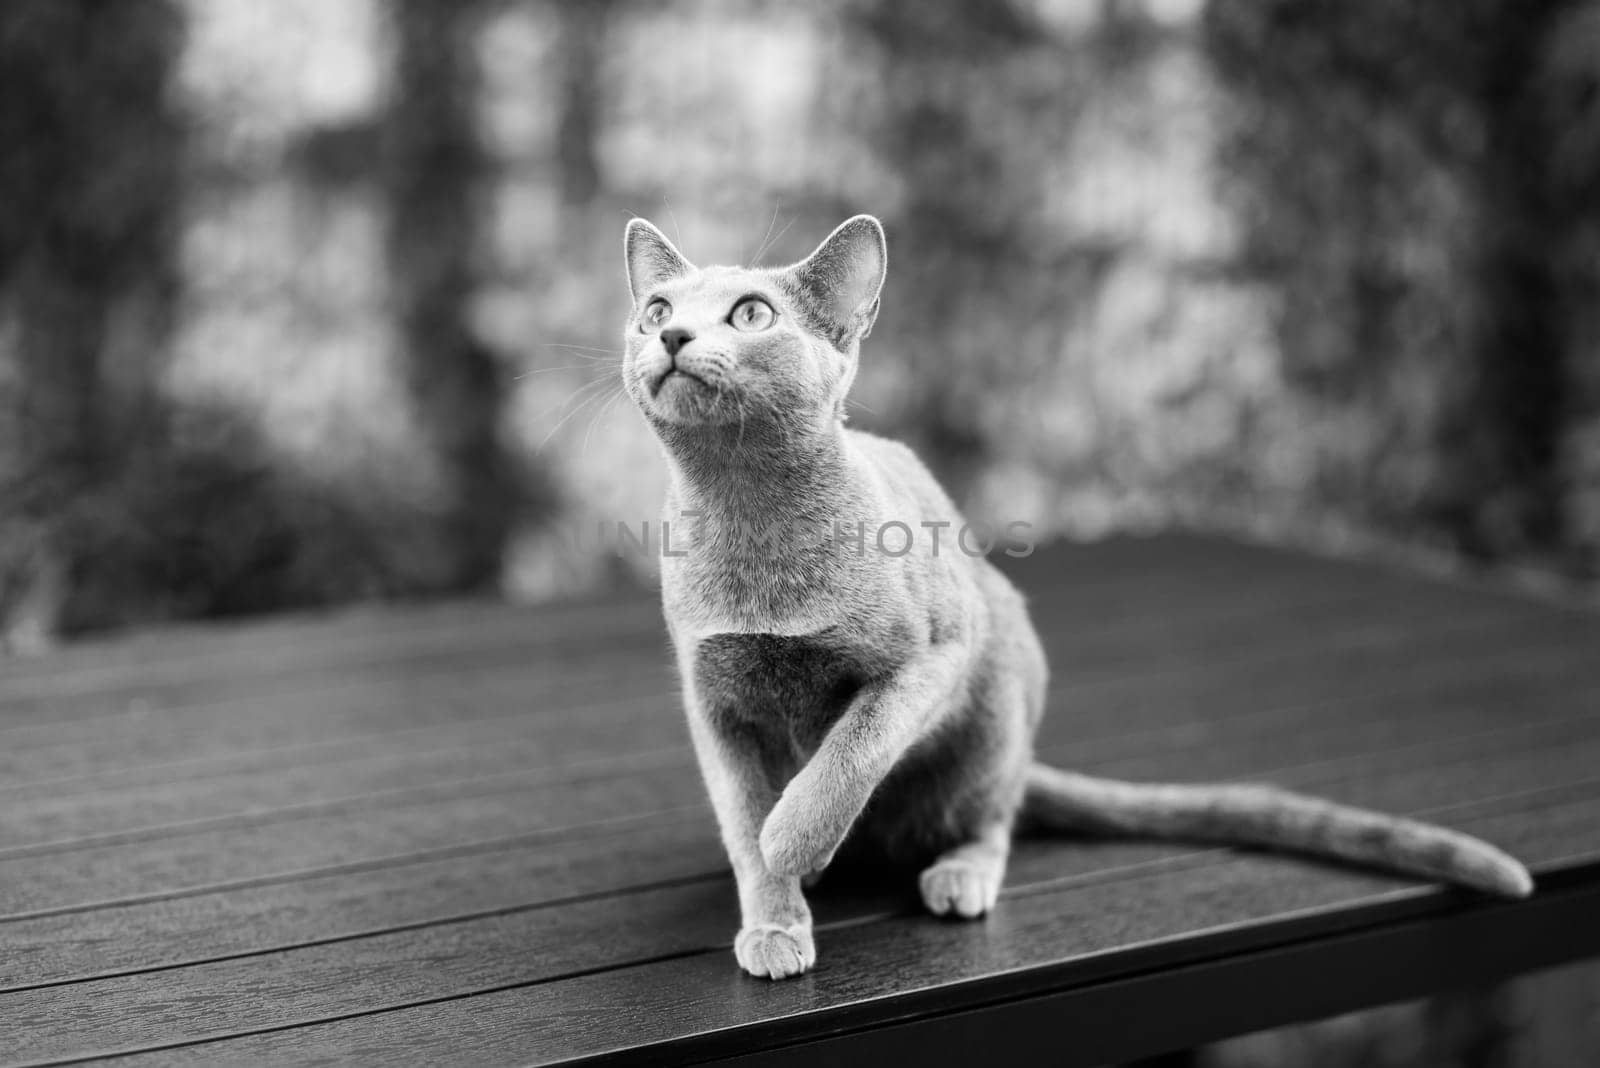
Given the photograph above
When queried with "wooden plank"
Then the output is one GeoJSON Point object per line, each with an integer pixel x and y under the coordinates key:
{"type": "Point", "coordinates": [237, 640]}
{"type": "Point", "coordinates": [406, 823]}
{"type": "Point", "coordinates": [1043, 862]}
{"type": "Point", "coordinates": [358, 712]}
{"type": "Point", "coordinates": [1232, 994]}
{"type": "Point", "coordinates": [1197, 570]}
{"type": "Point", "coordinates": [292, 782]}
{"type": "Point", "coordinates": [421, 860]}
{"type": "Point", "coordinates": [470, 759]}
{"type": "Point", "coordinates": [1493, 647]}
{"type": "Point", "coordinates": [226, 647]}
{"type": "Point", "coordinates": [1036, 864]}
{"type": "Point", "coordinates": [685, 993]}
{"type": "Point", "coordinates": [481, 723]}
{"type": "Point", "coordinates": [375, 639]}
{"type": "Point", "coordinates": [298, 719]}
{"type": "Point", "coordinates": [418, 827]}
{"type": "Point", "coordinates": [433, 888]}
{"type": "Point", "coordinates": [139, 703]}
{"type": "Point", "coordinates": [474, 753]}
{"type": "Point", "coordinates": [1135, 737]}
{"type": "Point", "coordinates": [253, 782]}
{"type": "Point", "coordinates": [345, 903]}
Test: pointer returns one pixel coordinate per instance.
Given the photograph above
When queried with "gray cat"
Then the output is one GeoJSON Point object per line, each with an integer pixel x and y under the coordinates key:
{"type": "Point", "coordinates": [884, 703]}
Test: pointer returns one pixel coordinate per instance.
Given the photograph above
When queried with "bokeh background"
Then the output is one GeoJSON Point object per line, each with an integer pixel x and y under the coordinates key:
{"type": "Point", "coordinates": [315, 302]}
{"type": "Point", "coordinates": [318, 300]}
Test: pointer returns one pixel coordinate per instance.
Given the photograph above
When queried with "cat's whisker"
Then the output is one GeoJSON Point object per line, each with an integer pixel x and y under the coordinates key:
{"type": "Point", "coordinates": [768, 244]}
{"type": "Point", "coordinates": [582, 387]}
{"type": "Point", "coordinates": [766, 236]}
{"type": "Point", "coordinates": [584, 348]}
{"type": "Point", "coordinates": [580, 350]}
{"type": "Point", "coordinates": [593, 384]}
{"type": "Point", "coordinates": [600, 413]}
{"type": "Point", "coordinates": [591, 399]}
{"type": "Point", "coordinates": [552, 370]}
{"type": "Point", "coordinates": [676, 229]}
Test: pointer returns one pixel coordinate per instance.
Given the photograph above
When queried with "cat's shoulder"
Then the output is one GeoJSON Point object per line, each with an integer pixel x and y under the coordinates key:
{"type": "Point", "coordinates": [893, 458]}
{"type": "Point", "coordinates": [901, 474]}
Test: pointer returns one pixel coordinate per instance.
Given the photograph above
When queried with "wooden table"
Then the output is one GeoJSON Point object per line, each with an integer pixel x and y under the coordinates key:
{"type": "Point", "coordinates": [474, 833]}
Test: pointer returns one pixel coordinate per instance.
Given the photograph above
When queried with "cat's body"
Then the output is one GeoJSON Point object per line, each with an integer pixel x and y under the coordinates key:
{"type": "Point", "coordinates": [839, 689]}
{"type": "Point", "coordinates": [784, 680]}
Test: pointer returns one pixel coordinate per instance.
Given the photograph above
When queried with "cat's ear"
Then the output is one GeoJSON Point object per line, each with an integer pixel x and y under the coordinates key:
{"type": "Point", "coordinates": [843, 277]}
{"type": "Point", "coordinates": [651, 258]}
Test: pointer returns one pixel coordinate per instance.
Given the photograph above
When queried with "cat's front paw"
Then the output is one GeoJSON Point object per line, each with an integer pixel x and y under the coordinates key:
{"type": "Point", "coordinates": [768, 951]}
{"type": "Point", "coordinates": [791, 845]}
{"type": "Point", "coordinates": [954, 887]}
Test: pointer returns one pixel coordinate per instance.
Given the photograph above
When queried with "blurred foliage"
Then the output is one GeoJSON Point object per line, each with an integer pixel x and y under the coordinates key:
{"type": "Point", "coordinates": [434, 169]}
{"type": "Point", "coordinates": [128, 503]}
{"type": "Point", "coordinates": [345, 275]}
{"type": "Point", "coordinates": [1395, 170]}
{"type": "Point", "coordinates": [87, 272]}
{"type": "Point", "coordinates": [203, 523]}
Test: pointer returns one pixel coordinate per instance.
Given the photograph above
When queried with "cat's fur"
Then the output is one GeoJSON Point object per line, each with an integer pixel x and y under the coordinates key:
{"type": "Point", "coordinates": [883, 703]}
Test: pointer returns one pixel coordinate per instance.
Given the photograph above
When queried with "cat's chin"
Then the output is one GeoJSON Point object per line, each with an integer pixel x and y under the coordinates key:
{"type": "Point", "coordinates": [684, 400]}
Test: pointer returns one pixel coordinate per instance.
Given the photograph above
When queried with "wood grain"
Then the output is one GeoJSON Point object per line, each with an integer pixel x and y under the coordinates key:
{"type": "Point", "coordinates": [1087, 650]}
{"type": "Point", "coordinates": [1178, 575]}
{"type": "Point", "coordinates": [1144, 734]}
{"type": "Point", "coordinates": [1448, 780]}
{"type": "Point", "coordinates": [1253, 900]}
{"type": "Point", "coordinates": [475, 831]}
{"type": "Point", "coordinates": [1111, 568]}
{"type": "Point", "coordinates": [430, 885]}
{"type": "Point", "coordinates": [255, 784]}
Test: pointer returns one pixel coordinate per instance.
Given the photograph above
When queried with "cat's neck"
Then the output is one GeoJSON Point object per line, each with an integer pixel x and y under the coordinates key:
{"type": "Point", "coordinates": [757, 476]}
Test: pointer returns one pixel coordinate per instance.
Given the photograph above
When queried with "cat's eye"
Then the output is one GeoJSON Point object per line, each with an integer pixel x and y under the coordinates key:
{"type": "Point", "coordinates": [655, 316]}
{"type": "Point", "coordinates": [751, 314]}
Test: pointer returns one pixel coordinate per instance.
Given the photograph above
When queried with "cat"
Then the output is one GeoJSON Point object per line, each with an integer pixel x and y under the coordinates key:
{"type": "Point", "coordinates": [881, 703]}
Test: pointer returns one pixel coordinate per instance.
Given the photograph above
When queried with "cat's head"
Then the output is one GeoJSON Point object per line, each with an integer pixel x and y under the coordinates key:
{"type": "Point", "coordinates": [749, 347]}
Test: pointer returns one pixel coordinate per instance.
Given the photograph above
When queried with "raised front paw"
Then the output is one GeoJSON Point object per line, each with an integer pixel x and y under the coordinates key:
{"type": "Point", "coordinates": [768, 951]}
{"type": "Point", "coordinates": [792, 844]}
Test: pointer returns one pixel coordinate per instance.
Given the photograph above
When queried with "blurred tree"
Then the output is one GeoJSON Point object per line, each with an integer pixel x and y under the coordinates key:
{"type": "Point", "coordinates": [119, 507]}
{"type": "Point", "coordinates": [1393, 172]}
{"type": "Point", "coordinates": [1563, 101]}
{"type": "Point", "coordinates": [88, 188]}
{"type": "Point", "coordinates": [1523, 361]}
{"type": "Point", "coordinates": [961, 229]}
{"type": "Point", "coordinates": [434, 170]}
{"type": "Point", "coordinates": [583, 26]}
{"type": "Point", "coordinates": [1416, 194]}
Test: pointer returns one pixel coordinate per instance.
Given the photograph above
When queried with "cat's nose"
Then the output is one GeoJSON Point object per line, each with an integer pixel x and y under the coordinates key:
{"type": "Point", "coordinates": [675, 338]}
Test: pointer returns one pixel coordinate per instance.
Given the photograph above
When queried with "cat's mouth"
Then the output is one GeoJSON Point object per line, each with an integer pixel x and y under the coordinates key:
{"type": "Point", "coordinates": [671, 373]}
{"type": "Point", "coordinates": [685, 397]}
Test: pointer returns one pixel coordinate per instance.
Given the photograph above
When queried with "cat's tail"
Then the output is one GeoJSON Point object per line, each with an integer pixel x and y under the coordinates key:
{"type": "Point", "coordinates": [1243, 814]}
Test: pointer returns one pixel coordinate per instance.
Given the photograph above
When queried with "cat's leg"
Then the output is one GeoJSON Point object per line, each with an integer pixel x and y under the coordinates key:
{"type": "Point", "coordinates": [816, 809]}
{"type": "Point", "coordinates": [965, 881]}
{"type": "Point", "coordinates": [774, 939]}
